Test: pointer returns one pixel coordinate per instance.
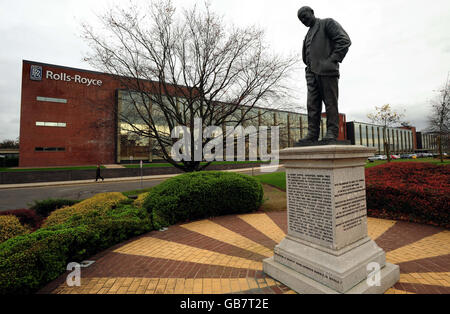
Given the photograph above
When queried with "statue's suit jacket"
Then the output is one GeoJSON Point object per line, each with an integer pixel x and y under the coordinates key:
{"type": "Point", "coordinates": [329, 46]}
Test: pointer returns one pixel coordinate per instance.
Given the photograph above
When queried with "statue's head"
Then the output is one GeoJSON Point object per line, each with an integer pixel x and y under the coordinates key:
{"type": "Point", "coordinates": [306, 16]}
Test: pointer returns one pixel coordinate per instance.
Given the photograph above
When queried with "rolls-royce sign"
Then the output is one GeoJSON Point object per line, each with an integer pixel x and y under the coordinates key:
{"type": "Point", "coordinates": [36, 75]}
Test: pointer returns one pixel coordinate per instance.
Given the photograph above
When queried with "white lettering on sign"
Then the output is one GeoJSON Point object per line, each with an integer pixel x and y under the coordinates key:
{"type": "Point", "coordinates": [69, 78]}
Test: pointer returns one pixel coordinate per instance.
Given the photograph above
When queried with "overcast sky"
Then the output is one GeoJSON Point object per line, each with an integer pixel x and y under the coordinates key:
{"type": "Point", "coordinates": [400, 53]}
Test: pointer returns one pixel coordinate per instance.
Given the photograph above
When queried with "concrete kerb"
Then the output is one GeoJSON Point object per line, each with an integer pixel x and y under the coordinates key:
{"type": "Point", "coordinates": [146, 178]}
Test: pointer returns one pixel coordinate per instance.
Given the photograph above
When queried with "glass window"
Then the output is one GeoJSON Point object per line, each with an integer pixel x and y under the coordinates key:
{"type": "Point", "coordinates": [51, 124]}
{"type": "Point", "coordinates": [49, 149]}
{"type": "Point", "coordinates": [375, 136]}
{"type": "Point", "coordinates": [267, 118]}
{"type": "Point", "coordinates": [294, 126]}
{"type": "Point", "coordinates": [357, 134]}
{"type": "Point", "coordinates": [282, 122]}
{"type": "Point", "coordinates": [251, 118]}
{"type": "Point", "coordinates": [49, 99]}
{"type": "Point", "coordinates": [304, 126]}
{"type": "Point", "coordinates": [323, 127]}
{"type": "Point", "coordinates": [134, 138]}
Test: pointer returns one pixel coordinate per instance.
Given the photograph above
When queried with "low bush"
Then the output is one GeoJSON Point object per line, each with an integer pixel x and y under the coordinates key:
{"type": "Point", "coordinates": [10, 227]}
{"type": "Point", "coordinates": [101, 202]}
{"type": "Point", "coordinates": [139, 202]}
{"type": "Point", "coordinates": [30, 261]}
{"type": "Point", "coordinates": [201, 195]}
{"type": "Point", "coordinates": [27, 217]}
{"type": "Point", "coordinates": [45, 207]}
{"type": "Point", "coordinates": [418, 192]}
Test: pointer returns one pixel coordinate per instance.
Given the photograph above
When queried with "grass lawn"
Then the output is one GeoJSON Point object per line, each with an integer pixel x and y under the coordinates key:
{"type": "Point", "coordinates": [150, 165]}
{"type": "Point", "coordinates": [161, 164]}
{"type": "Point", "coordinates": [435, 161]}
{"type": "Point", "coordinates": [276, 179]}
{"type": "Point", "coordinates": [274, 199]}
{"type": "Point", "coordinates": [49, 169]}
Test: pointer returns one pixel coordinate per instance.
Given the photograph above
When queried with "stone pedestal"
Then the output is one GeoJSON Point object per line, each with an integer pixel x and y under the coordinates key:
{"type": "Point", "coordinates": [327, 249]}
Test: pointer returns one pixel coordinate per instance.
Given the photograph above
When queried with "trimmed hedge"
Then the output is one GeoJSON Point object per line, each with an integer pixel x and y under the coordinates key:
{"type": "Point", "coordinates": [139, 202]}
{"type": "Point", "coordinates": [101, 202]}
{"type": "Point", "coordinates": [417, 192]}
{"type": "Point", "coordinates": [203, 194]}
{"type": "Point", "coordinates": [28, 262]}
{"type": "Point", "coordinates": [27, 217]}
{"type": "Point", "coordinates": [10, 227]}
{"type": "Point", "coordinates": [45, 207]}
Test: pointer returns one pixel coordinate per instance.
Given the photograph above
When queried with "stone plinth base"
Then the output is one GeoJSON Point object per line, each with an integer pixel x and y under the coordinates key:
{"type": "Point", "coordinates": [340, 271]}
{"type": "Point", "coordinates": [389, 275]}
{"type": "Point", "coordinates": [327, 249]}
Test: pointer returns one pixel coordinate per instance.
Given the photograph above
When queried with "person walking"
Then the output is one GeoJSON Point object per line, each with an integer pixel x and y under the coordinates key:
{"type": "Point", "coordinates": [97, 174]}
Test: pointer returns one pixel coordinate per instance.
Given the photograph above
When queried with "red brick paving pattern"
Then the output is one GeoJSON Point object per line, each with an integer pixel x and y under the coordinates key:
{"type": "Point", "coordinates": [116, 272]}
{"type": "Point", "coordinates": [404, 233]}
{"type": "Point", "coordinates": [239, 226]}
{"type": "Point", "coordinates": [184, 236]}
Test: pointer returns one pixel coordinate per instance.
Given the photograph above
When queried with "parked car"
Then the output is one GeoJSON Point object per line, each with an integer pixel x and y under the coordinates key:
{"type": "Point", "coordinates": [405, 156]}
{"type": "Point", "coordinates": [395, 156]}
{"type": "Point", "coordinates": [377, 157]}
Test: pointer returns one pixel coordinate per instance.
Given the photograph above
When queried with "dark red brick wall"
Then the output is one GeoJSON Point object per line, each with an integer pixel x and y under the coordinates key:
{"type": "Point", "coordinates": [89, 136]}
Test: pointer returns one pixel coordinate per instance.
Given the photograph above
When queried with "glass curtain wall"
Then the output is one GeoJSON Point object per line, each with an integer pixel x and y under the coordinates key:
{"type": "Point", "coordinates": [294, 125]}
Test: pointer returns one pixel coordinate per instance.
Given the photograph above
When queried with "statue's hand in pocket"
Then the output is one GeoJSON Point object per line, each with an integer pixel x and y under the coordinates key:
{"type": "Point", "coordinates": [329, 65]}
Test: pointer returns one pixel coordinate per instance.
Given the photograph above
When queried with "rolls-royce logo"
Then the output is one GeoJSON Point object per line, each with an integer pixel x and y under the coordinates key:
{"type": "Point", "coordinates": [36, 73]}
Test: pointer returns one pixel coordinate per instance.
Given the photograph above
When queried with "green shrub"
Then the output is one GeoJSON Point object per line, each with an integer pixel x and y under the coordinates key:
{"type": "Point", "coordinates": [27, 217]}
{"type": "Point", "coordinates": [101, 202]}
{"type": "Point", "coordinates": [28, 262]}
{"type": "Point", "coordinates": [202, 194]}
{"type": "Point", "coordinates": [45, 207]}
{"type": "Point", "coordinates": [10, 227]}
{"type": "Point", "coordinates": [139, 202]}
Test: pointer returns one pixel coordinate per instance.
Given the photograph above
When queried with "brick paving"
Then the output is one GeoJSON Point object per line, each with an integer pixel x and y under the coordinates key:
{"type": "Point", "coordinates": [224, 255]}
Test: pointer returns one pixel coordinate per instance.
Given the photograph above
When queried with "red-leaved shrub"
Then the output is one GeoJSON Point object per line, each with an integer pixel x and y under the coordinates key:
{"type": "Point", "coordinates": [418, 192]}
{"type": "Point", "coordinates": [26, 217]}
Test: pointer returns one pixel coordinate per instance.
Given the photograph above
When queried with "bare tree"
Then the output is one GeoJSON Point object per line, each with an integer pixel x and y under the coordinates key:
{"type": "Point", "coordinates": [386, 117]}
{"type": "Point", "coordinates": [178, 68]}
{"type": "Point", "coordinates": [439, 119]}
{"type": "Point", "coordinates": [10, 143]}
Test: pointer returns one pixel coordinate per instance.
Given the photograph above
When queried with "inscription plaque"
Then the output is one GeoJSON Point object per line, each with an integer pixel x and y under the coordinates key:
{"type": "Point", "coordinates": [326, 207]}
{"type": "Point", "coordinates": [310, 214]}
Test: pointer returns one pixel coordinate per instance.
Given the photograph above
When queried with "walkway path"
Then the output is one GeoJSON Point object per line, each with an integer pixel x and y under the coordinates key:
{"type": "Point", "coordinates": [224, 255]}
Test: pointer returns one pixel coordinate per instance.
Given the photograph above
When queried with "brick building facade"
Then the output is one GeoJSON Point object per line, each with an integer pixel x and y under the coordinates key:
{"type": "Point", "coordinates": [69, 117]}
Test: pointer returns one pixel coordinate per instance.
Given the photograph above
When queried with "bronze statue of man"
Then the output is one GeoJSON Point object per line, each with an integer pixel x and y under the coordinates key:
{"type": "Point", "coordinates": [324, 47]}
